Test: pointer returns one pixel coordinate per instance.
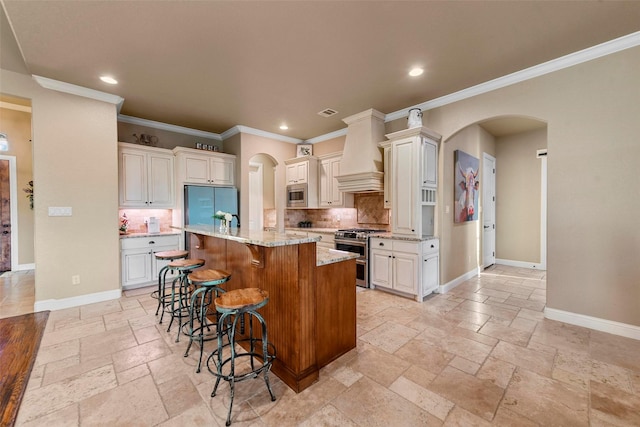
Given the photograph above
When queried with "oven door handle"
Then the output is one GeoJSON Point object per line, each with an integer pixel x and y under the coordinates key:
{"type": "Point", "coordinates": [360, 243]}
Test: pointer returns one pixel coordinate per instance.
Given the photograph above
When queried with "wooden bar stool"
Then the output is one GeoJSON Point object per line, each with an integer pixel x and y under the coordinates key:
{"type": "Point", "coordinates": [233, 306]}
{"type": "Point", "coordinates": [207, 286]}
{"type": "Point", "coordinates": [178, 304]}
{"type": "Point", "coordinates": [159, 294]}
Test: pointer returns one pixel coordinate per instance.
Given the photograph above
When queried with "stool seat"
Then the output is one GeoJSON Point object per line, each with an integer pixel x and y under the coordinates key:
{"type": "Point", "coordinates": [171, 255]}
{"type": "Point", "coordinates": [204, 277]}
{"type": "Point", "coordinates": [242, 300]}
{"type": "Point", "coordinates": [179, 264]}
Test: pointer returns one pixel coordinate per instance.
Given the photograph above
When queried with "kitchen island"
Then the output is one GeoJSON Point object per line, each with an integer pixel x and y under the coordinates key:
{"type": "Point", "coordinates": [311, 314]}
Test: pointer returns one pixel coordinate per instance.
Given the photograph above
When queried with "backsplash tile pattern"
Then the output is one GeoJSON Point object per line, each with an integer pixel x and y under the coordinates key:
{"type": "Point", "coordinates": [137, 217]}
{"type": "Point", "coordinates": [369, 212]}
{"type": "Point", "coordinates": [371, 209]}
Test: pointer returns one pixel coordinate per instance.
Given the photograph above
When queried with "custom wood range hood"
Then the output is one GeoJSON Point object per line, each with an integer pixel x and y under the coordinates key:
{"type": "Point", "coordinates": [361, 166]}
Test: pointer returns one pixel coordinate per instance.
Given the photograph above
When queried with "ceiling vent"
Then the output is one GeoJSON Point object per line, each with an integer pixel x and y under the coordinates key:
{"type": "Point", "coordinates": [328, 112]}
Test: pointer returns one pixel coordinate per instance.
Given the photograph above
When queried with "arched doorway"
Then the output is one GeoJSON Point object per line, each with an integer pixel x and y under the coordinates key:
{"type": "Point", "coordinates": [262, 207]}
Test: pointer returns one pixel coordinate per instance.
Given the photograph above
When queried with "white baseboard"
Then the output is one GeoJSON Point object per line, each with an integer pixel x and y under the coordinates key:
{"type": "Point", "coordinates": [521, 264]}
{"type": "Point", "coordinates": [455, 282]}
{"type": "Point", "coordinates": [602, 325]}
{"type": "Point", "coordinates": [59, 304]}
{"type": "Point", "coordinates": [22, 267]}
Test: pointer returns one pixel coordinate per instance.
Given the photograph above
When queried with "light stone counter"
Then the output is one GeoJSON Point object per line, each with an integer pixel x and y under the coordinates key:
{"type": "Point", "coordinates": [253, 237]}
{"type": "Point", "coordinates": [164, 233]}
{"type": "Point", "coordinates": [395, 237]}
{"type": "Point", "coordinates": [326, 256]}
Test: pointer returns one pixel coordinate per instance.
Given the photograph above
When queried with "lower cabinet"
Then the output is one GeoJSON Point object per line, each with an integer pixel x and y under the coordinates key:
{"type": "Point", "coordinates": [404, 266]}
{"type": "Point", "coordinates": [139, 265]}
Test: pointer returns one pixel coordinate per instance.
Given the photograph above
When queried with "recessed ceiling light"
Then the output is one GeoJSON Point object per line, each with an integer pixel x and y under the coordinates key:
{"type": "Point", "coordinates": [109, 79]}
{"type": "Point", "coordinates": [416, 71]}
{"type": "Point", "coordinates": [284, 127]}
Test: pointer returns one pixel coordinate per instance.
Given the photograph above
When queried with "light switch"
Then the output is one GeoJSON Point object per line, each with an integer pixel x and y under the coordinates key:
{"type": "Point", "coordinates": [60, 211]}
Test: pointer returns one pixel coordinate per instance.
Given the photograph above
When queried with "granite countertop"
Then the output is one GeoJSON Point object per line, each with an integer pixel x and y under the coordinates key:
{"type": "Point", "coordinates": [163, 233]}
{"type": "Point", "coordinates": [410, 239]}
{"type": "Point", "coordinates": [253, 237]}
{"type": "Point", "coordinates": [326, 256]}
{"type": "Point", "coordinates": [313, 230]}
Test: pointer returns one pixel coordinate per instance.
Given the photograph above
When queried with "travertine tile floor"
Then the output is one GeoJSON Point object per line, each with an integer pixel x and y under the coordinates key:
{"type": "Point", "coordinates": [479, 355]}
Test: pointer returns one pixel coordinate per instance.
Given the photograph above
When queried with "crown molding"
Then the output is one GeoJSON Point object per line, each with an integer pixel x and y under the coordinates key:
{"type": "Point", "coordinates": [16, 107]}
{"type": "Point", "coordinates": [585, 55]}
{"type": "Point", "coordinates": [251, 131]}
{"type": "Point", "coordinates": [77, 90]}
{"type": "Point", "coordinates": [165, 126]}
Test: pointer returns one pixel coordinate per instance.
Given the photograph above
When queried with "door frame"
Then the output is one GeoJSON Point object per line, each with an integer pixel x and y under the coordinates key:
{"type": "Point", "coordinates": [542, 155]}
{"type": "Point", "coordinates": [13, 195]}
{"type": "Point", "coordinates": [489, 157]}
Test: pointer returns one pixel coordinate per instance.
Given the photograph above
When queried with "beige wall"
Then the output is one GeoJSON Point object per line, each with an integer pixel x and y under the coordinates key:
{"type": "Point", "coordinates": [74, 164]}
{"type": "Point", "coordinates": [518, 190]}
{"type": "Point", "coordinates": [17, 126]}
{"type": "Point", "coordinates": [166, 139]}
{"type": "Point", "coordinates": [592, 113]}
{"type": "Point", "coordinates": [329, 146]}
{"type": "Point", "coordinates": [245, 146]}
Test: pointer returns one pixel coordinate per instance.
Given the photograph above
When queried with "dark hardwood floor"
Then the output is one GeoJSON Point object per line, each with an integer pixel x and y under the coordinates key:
{"type": "Point", "coordinates": [20, 338]}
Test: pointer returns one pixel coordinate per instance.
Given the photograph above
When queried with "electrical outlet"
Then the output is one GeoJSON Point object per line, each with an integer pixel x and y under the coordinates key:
{"type": "Point", "coordinates": [75, 280]}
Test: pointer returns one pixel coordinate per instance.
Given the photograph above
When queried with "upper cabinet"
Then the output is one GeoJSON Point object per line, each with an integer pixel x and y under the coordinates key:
{"type": "Point", "coordinates": [411, 159]}
{"type": "Point", "coordinates": [145, 176]}
{"type": "Point", "coordinates": [197, 167]}
{"type": "Point", "coordinates": [330, 196]}
{"type": "Point", "coordinates": [302, 170]}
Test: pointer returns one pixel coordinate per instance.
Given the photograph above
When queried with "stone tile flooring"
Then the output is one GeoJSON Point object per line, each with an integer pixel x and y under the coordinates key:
{"type": "Point", "coordinates": [482, 354]}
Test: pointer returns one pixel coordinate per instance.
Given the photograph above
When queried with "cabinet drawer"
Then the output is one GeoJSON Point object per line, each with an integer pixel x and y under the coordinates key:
{"type": "Point", "coordinates": [378, 243]}
{"type": "Point", "coordinates": [409, 247]}
{"type": "Point", "coordinates": [149, 242]}
{"type": "Point", "coordinates": [430, 246]}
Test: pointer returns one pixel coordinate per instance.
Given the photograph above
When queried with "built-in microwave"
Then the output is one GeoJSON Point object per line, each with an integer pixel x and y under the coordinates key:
{"type": "Point", "coordinates": [297, 196]}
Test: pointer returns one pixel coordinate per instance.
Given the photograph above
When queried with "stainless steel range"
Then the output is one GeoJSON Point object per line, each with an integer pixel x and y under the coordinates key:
{"type": "Point", "coordinates": [357, 240]}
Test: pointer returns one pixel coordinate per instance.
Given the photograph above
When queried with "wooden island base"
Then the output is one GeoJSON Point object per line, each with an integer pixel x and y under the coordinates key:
{"type": "Point", "coordinates": [311, 313]}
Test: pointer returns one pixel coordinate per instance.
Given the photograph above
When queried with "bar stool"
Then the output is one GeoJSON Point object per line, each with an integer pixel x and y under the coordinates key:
{"type": "Point", "coordinates": [159, 294]}
{"type": "Point", "coordinates": [207, 286]}
{"type": "Point", "coordinates": [233, 305]}
{"type": "Point", "coordinates": [178, 304]}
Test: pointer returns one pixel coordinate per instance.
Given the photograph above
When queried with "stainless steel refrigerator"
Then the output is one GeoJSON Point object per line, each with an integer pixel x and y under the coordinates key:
{"type": "Point", "coordinates": [201, 202]}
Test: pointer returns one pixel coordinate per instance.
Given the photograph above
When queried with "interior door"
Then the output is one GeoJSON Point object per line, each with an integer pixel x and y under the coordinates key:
{"type": "Point", "coordinates": [5, 217]}
{"type": "Point", "coordinates": [488, 211]}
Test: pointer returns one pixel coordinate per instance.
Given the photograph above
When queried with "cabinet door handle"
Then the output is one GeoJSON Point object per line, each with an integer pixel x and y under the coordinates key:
{"type": "Point", "coordinates": [152, 242]}
{"type": "Point", "coordinates": [433, 246]}
{"type": "Point", "coordinates": [381, 244]}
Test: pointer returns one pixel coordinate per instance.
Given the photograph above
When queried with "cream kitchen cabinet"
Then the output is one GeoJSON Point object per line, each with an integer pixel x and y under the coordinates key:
{"type": "Point", "coordinates": [146, 177]}
{"type": "Point", "coordinates": [302, 170]}
{"type": "Point", "coordinates": [394, 264]}
{"type": "Point", "coordinates": [139, 265]}
{"type": "Point", "coordinates": [198, 167]}
{"type": "Point", "coordinates": [330, 195]}
{"type": "Point", "coordinates": [411, 161]}
{"type": "Point", "coordinates": [410, 268]}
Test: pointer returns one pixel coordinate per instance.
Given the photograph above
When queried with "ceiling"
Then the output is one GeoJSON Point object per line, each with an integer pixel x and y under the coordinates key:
{"type": "Point", "coordinates": [211, 65]}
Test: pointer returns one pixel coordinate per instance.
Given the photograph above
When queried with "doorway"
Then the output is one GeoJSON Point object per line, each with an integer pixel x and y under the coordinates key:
{"type": "Point", "coordinates": [262, 212]}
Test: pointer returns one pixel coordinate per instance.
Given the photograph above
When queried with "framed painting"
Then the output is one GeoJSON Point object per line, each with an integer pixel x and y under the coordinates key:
{"type": "Point", "coordinates": [466, 184]}
{"type": "Point", "coordinates": [304, 150]}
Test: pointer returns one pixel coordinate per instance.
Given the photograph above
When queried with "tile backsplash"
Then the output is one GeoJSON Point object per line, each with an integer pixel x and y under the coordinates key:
{"type": "Point", "coordinates": [137, 218]}
{"type": "Point", "coordinates": [369, 212]}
